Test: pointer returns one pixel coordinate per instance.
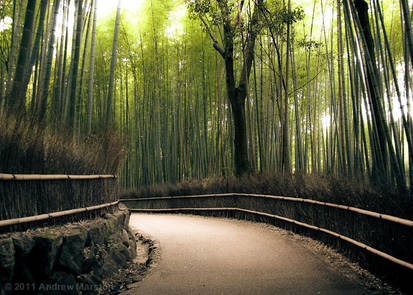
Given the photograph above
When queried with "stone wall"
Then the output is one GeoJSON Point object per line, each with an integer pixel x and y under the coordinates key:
{"type": "Point", "coordinates": [76, 258]}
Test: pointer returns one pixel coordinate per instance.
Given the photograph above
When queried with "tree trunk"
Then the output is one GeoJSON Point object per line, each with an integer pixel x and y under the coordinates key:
{"type": "Point", "coordinates": [242, 165]}
{"type": "Point", "coordinates": [75, 66]}
{"type": "Point", "coordinates": [375, 94]}
{"type": "Point", "coordinates": [113, 66]}
{"type": "Point", "coordinates": [17, 96]}
{"type": "Point", "coordinates": [13, 46]}
{"type": "Point", "coordinates": [91, 68]}
{"type": "Point", "coordinates": [49, 60]}
{"type": "Point", "coordinates": [35, 51]}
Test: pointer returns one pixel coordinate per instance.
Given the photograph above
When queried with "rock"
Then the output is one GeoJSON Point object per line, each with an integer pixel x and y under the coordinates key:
{"type": "Point", "coordinates": [116, 221]}
{"type": "Point", "coordinates": [96, 276]}
{"type": "Point", "coordinates": [6, 259]}
{"type": "Point", "coordinates": [87, 254]}
{"type": "Point", "coordinates": [132, 238]}
{"type": "Point", "coordinates": [119, 254]}
{"type": "Point", "coordinates": [114, 239]}
{"type": "Point", "coordinates": [23, 243]}
{"type": "Point", "coordinates": [127, 219]}
{"type": "Point", "coordinates": [88, 284]}
{"type": "Point", "coordinates": [125, 237]}
{"type": "Point", "coordinates": [109, 228]}
{"type": "Point", "coordinates": [71, 256]}
{"type": "Point", "coordinates": [86, 279]}
{"type": "Point", "coordinates": [108, 268]}
{"type": "Point", "coordinates": [132, 243]}
{"type": "Point", "coordinates": [96, 234]}
{"type": "Point", "coordinates": [120, 218]}
{"type": "Point", "coordinates": [60, 282]}
{"type": "Point", "coordinates": [92, 259]}
{"type": "Point", "coordinates": [43, 256]}
{"type": "Point", "coordinates": [132, 252]}
{"type": "Point", "coordinates": [109, 216]}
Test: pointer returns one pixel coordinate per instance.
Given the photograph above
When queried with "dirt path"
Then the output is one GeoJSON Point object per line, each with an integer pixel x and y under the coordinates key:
{"type": "Point", "coordinates": [201, 255]}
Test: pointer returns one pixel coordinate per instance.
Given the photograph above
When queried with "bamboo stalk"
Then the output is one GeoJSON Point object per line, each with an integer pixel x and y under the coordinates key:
{"type": "Point", "coordinates": [15, 221]}
{"type": "Point", "coordinates": [391, 218]}
{"type": "Point", "coordinates": [312, 227]}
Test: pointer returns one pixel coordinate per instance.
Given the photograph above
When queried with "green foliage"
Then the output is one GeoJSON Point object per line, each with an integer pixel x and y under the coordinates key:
{"type": "Point", "coordinates": [309, 44]}
{"type": "Point", "coordinates": [277, 15]}
{"type": "Point", "coordinates": [290, 17]}
{"type": "Point", "coordinates": [169, 91]}
{"type": "Point", "coordinates": [199, 7]}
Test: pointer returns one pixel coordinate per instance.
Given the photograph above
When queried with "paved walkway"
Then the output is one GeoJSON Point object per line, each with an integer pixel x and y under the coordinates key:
{"type": "Point", "coordinates": [201, 255]}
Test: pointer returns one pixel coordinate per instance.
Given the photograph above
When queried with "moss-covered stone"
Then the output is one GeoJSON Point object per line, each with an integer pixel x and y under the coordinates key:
{"type": "Point", "coordinates": [119, 254]}
{"type": "Point", "coordinates": [61, 282]}
{"type": "Point", "coordinates": [6, 259]}
{"type": "Point", "coordinates": [127, 219]}
{"type": "Point", "coordinates": [124, 238]}
{"type": "Point", "coordinates": [88, 252]}
{"type": "Point", "coordinates": [44, 254]}
{"type": "Point", "coordinates": [96, 234]}
{"type": "Point", "coordinates": [71, 254]}
{"type": "Point", "coordinates": [23, 243]}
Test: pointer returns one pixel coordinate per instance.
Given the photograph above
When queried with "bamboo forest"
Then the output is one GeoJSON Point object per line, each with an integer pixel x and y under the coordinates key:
{"type": "Point", "coordinates": [195, 89]}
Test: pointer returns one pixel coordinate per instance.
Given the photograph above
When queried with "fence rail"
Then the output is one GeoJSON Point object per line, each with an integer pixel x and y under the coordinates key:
{"type": "Point", "coordinates": [387, 217]}
{"type": "Point", "coordinates": [42, 217]}
{"type": "Point", "coordinates": [4, 176]}
{"type": "Point", "coordinates": [386, 233]}
{"type": "Point", "coordinates": [26, 198]}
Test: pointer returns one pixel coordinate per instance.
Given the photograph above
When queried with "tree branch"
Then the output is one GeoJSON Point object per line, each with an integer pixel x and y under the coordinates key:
{"type": "Point", "coordinates": [214, 39]}
{"type": "Point", "coordinates": [240, 7]}
{"type": "Point", "coordinates": [249, 48]}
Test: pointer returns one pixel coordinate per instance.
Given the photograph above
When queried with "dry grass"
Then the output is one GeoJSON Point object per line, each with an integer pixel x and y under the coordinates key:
{"type": "Point", "coordinates": [27, 148]}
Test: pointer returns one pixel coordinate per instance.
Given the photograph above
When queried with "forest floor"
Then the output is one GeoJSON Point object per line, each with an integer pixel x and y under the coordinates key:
{"type": "Point", "coordinates": [202, 255]}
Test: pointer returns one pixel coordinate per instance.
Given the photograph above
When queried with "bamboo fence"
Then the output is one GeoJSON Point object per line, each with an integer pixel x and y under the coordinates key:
{"type": "Point", "coordinates": [382, 235]}
{"type": "Point", "coordinates": [27, 200]}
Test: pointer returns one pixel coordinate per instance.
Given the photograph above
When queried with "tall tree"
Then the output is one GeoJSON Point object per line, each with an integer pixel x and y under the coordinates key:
{"type": "Point", "coordinates": [385, 149]}
{"type": "Point", "coordinates": [36, 45]}
{"type": "Point", "coordinates": [91, 70]}
{"type": "Point", "coordinates": [75, 65]}
{"type": "Point", "coordinates": [232, 24]}
{"type": "Point", "coordinates": [113, 66]}
{"type": "Point", "coordinates": [49, 61]}
{"type": "Point", "coordinates": [17, 96]}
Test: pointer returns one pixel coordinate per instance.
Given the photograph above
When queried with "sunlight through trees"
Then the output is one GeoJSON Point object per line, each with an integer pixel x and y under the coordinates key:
{"type": "Point", "coordinates": [201, 88]}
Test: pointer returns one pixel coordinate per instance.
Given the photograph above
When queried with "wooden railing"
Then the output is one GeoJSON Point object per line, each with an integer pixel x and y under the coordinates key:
{"type": "Point", "coordinates": [4, 176]}
{"type": "Point", "coordinates": [28, 198]}
{"type": "Point", "coordinates": [383, 237]}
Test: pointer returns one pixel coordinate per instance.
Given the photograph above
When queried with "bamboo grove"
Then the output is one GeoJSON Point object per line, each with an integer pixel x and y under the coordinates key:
{"type": "Point", "coordinates": [328, 89]}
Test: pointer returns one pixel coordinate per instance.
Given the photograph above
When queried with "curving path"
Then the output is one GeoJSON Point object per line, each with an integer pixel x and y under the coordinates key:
{"type": "Point", "coordinates": [202, 255]}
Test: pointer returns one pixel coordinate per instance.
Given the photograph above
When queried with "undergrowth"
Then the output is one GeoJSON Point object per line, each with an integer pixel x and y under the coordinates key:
{"type": "Point", "coordinates": [345, 191]}
{"type": "Point", "coordinates": [25, 147]}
